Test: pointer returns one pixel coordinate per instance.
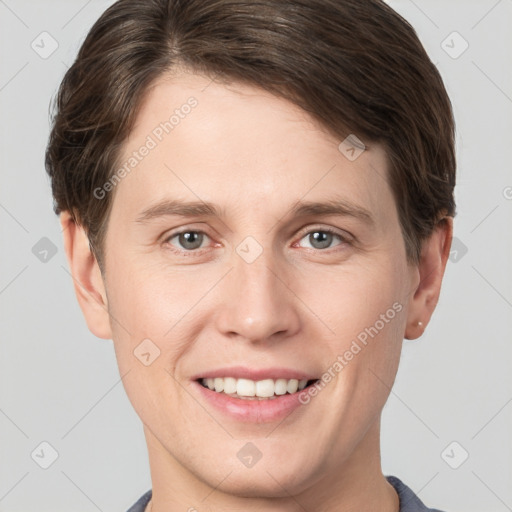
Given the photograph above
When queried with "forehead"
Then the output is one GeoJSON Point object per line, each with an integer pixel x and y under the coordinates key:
{"type": "Point", "coordinates": [239, 145]}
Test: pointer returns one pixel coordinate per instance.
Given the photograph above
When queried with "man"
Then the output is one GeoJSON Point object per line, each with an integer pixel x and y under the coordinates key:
{"type": "Point", "coordinates": [257, 204]}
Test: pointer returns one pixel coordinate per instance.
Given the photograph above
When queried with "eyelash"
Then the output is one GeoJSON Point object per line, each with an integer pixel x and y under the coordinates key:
{"type": "Point", "coordinates": [196, 252]}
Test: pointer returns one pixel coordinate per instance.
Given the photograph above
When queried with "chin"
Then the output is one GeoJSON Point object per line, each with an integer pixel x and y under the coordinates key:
{"type": "Point", "coordinates": [270, 477]}
{"type": "Point", "coordinates": [260, 484]}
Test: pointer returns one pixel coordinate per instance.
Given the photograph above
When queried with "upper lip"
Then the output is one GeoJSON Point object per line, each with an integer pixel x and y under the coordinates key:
{"type": "Point", "coordinates": [243, 372]}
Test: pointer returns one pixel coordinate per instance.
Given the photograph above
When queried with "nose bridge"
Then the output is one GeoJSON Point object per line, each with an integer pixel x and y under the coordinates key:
{"type": "Point", "coordinates": [256, 302]}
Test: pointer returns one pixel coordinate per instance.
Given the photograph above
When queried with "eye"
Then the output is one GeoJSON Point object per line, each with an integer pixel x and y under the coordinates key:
{"type": "Point", "coordinates": [188, 240]}
{"type": "Point", "coordinates": [322, 238]}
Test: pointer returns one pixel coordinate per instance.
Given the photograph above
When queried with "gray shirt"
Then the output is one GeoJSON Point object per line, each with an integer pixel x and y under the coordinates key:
{"type": "Point", "coordinates": [409, 502]}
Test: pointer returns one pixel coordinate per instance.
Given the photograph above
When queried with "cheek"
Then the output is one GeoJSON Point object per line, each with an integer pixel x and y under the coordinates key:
{"type": "Point", "coordinates": [143, 310]}
{"type": "Point", "coordinates": [364, 311]}
{"type": "Point", "coordinates": [139, 314]}
{"type": "Point", "coordinates": [145, 299]}
{"type": "Point", "coordinates": [157, 310]}
{"type": "Point", "coordinates": [349, 299]}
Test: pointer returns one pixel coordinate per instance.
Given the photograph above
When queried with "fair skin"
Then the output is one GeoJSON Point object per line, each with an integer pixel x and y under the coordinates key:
{"type": "Point", "coordinates": [297, 305]}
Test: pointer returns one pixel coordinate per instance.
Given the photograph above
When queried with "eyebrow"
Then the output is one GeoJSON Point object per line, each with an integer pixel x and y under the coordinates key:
{"type": "Point", "coordinates": [174, 207]}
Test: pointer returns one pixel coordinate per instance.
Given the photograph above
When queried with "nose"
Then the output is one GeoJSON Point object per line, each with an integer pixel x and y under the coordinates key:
{"type": "Point", "coordinates": [257, 303]}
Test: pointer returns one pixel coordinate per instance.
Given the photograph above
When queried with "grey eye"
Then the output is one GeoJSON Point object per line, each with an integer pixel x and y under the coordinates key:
{"type": "Point", "coordinates": [189, 240]}
{"type": "Point", "coordinates": [321, 239]}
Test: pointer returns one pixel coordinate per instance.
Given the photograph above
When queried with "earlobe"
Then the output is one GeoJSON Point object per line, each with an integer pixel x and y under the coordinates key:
{"type": "Point", "coordinates": [87, 279]}
{"type": "Point", "coordinates": [425, 295]}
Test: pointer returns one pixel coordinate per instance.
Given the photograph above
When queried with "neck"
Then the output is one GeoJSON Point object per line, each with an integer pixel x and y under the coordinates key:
{"type": "Point", "coordinates": [356, 484]}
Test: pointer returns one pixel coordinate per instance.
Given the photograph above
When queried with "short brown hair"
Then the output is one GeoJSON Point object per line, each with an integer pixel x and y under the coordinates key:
{"type": "Point", "coordinates": [355, 66]}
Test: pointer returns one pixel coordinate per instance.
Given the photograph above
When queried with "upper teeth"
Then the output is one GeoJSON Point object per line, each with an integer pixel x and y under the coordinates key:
{"type": "Point", "coordinates": [262, 388]}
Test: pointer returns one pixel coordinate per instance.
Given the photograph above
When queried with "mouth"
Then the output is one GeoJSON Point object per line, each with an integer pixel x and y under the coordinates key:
{"type": "Point", "coordinates": [247, 389]}
{"type": "Point", "coordinates": [247, 394]}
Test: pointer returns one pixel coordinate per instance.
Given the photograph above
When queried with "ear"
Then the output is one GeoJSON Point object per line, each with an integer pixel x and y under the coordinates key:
{"type": "Point", "coordinates": [87, 278]}
{"type": "Point", "coordinates": [431, 267]}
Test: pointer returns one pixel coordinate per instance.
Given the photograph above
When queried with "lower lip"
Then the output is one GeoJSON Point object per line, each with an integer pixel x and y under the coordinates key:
{"type": "Point", "coordinates": [251, 411]}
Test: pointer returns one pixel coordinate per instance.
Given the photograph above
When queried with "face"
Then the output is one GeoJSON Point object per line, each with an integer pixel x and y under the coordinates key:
{"type": "Point", "coordinates": [255, 282]}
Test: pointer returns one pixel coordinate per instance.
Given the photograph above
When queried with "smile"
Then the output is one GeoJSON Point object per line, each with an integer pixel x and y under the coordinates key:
{"type": "Point", "coordinates": [247, 389]}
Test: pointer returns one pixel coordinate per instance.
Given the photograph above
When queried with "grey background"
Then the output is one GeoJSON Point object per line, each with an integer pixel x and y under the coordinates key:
{"type": "Point", "coordinates": [59, 384]}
